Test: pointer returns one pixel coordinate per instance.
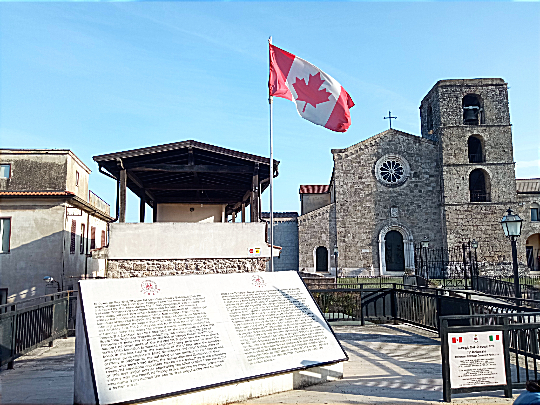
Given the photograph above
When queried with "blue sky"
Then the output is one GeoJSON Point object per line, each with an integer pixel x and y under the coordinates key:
{"type": "Point", "coordinates": [104, 77]}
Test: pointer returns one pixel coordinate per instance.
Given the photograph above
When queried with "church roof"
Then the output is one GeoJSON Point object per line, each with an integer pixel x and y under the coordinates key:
{"type": "Point", "coordinates": [314, 189]}
{"type": "Point", "coordinates": [528, 186]}
{"type": "Point", "coordinates": [392, 131]}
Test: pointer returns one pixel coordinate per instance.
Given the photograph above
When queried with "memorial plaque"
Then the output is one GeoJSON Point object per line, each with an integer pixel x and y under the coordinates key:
{"type": "Point", "coordinates": [149, 337]}
{"type": "Point", "coordinates": [476, 359]}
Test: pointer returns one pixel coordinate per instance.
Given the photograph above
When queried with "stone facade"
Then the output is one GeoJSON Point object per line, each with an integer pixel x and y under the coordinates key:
{"type": "Point", "coordinates": [425, 188]}
{"type": "Point", "coordinates": [316, 228]}
{"type": "Point", "coordinates": [117, 268]}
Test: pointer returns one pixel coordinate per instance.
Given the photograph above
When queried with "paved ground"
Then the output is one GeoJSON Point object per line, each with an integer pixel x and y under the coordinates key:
{"type": "Point", "coordinates": [389, 364]}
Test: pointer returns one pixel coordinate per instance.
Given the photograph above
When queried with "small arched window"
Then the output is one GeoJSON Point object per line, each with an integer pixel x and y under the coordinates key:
{"type": "Point", "coordinates": [473, 111]}
{"type": "Point", "coordinates": [535, 212]}
{"type": "Point", "coordinates": [479, 186]}
{"type": "Point", "coordinates": [475, 149]}
{"type": "Point", "coordinates": [429, 119]}
{"type": "Point", "coordinates": [321, 259]}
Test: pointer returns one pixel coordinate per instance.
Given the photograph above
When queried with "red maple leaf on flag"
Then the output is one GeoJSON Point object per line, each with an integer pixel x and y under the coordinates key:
{"type": "Point", "coordinates": [310, 92]}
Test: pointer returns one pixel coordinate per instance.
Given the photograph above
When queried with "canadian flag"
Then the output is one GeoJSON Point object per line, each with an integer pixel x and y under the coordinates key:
{"type": "Point", "coordinates": [319, 98]}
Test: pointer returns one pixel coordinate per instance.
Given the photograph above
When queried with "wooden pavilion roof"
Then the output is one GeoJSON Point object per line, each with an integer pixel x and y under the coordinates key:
{"type": "Point", "coordinates": [189, 172]}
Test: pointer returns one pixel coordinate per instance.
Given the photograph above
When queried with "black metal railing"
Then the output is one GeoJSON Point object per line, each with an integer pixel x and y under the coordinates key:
{"type": "Point", "coordinates": [476, 158]}
{"type": "Point", "coordinates": [480, 196]}
{"type": "Point", "coordinates": [418, 306]}
{"type": "Point", "coordinates": [458, 262]}
{"type": "Point", "coordinates": [26, 324]}
{"type": "Point", "coordinates": [520, 334]}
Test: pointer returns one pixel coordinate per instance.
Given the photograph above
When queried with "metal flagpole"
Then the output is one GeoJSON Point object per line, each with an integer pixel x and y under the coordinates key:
{"type": "Point", "coordinates": [271, 178]}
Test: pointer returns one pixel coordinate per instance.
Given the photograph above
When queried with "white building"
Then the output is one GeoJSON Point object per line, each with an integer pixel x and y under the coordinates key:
{"type": "Point", "coordinates": [49, 222]}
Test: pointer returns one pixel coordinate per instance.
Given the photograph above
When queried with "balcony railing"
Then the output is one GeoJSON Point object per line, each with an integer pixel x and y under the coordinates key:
{"type": "Point", "coordinates": [476, 158]}
{"type": "Point", "coordinates": [480, 196]}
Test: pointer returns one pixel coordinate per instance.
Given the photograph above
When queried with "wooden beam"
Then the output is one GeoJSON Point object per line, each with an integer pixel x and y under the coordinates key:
{"type": "Point", "coordinates": [122, 196]}
{"type": "Point", "coordinates": [133, 177]}
{"type": "Point", "coordinates": [194, 187]}
{"type": "Point", "coordinates": [243, 212]}
{"type": "Point", "coordinates": [195, 200]}
{"type": "Point", "coordinates": [142, 206]}
{"type": "Point", "coordinates": [161, 167]}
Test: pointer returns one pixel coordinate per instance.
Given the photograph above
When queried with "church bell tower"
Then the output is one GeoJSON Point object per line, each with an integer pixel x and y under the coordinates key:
{"type": "Point", "coordinates": [470, 120]}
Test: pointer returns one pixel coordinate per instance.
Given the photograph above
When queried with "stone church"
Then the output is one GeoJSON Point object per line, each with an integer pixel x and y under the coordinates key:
{"type": "Point", "coordinates": [450, 185]}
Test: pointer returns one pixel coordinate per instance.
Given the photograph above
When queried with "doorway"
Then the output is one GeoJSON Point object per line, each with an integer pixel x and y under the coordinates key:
{"type": "Point", "coordinates": [321, 259]}
{"type": "Point", "coordinates": [394, 251]}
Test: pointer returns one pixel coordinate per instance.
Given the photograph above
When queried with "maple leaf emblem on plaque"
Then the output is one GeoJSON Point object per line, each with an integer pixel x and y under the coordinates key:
{"type": "Point", "coordinates": [310, 92]}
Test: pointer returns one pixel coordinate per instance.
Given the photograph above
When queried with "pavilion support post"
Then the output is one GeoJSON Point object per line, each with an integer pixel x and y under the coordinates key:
{"type": "Point", "coordinates": [243, 212]}
{"type": "Point", "coordinates": [254, 203]}
{"type": "Point", "coordinates": [142, 206]}
{"type": "Point", "coordinates": [233, 216]}
{"type": "Point", "coordinates": [154, 212]}
{"type": "Point", "coordinates": [123, 182]}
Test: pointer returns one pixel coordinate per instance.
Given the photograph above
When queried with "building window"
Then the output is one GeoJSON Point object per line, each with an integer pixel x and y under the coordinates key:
{"type": "Point", "coordinates": [473, 113]}
{"type": "Point", "coordinates": [5, 171]}
{"type": "Point", "coordinates": [535, 210]}
{"type": "Point", "coordinates": [77, 179]}
{"type": "Point", "coordinates": [321, 259]}
{"type": "Point", "coordinates": [5, 234]}
{"type": "Point", "coordinates": [73, 232]}
{"type": "Point", "coordinates": [103, 239]}
{"type": "Point", "coordinates": [92, 237]}
{"type": "Point", "coordinates": [479, 186]}
{"type": "Point", "coordinates": [474, 147]}
{"type": "Point", "coordinates": [392, 170]}
{"type": "Point", "coordinates": [81, 247]}
{"type": "Point", "coordinates": [429, 120]}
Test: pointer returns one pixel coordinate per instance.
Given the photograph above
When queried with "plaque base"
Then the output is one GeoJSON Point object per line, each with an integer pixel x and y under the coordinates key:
{"type": "Point", "coordinates": [257, 387]}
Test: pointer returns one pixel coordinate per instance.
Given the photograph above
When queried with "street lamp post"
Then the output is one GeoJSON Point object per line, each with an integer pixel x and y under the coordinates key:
{"type": "Point", "coordinates": [336, 260]}
{"type": "Point", "coordinates": [511, 224]}
{"type": "Point", "coordinates": [474, 245]}
{"type": "Point", "coordinates": [423, 252]}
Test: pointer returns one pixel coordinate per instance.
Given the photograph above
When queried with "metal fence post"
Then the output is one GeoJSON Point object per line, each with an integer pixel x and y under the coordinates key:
{"type": "Point", "coordinates": [393, 303]}
{"type": "Point", "coordinates": [13, 337]}
{"type": "Point", "coordinates": [507, 365]}
{"type": "Point", "coordinates": [445, 354]}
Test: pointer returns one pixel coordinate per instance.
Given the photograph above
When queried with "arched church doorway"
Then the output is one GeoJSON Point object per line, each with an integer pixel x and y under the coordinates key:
{"type": "Point", "coordinates": [321, 259]}
{"type": "Point", "coordinates": [532, 250]}
{"type": "Point", "coordinates": [394, 251]}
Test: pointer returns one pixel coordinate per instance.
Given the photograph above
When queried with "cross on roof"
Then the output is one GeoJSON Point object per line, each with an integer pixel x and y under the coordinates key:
{"type": "Point", "coordinates": [390, 118]}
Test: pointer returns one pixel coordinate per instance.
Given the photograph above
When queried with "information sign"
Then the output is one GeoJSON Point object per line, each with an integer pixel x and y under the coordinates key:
{"type": "Point", "coordinates": [149, 337]}
{"type": "Point", "coordinates": [476, 359]}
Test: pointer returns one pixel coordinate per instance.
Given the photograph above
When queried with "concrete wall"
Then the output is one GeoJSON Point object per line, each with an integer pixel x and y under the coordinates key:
{"type": "Point", "coordinates": [312, 202]}
{"type": "Point", "coordinates": [190, 213]}
{"type": "Point", "coordinates": [40, 246]}
{"type": "Point", "coordinates": [37, 234]}
{"type": "Point", "coordinates": [180, 240]}
{"type": "Point", "coordinates": [286, 237]}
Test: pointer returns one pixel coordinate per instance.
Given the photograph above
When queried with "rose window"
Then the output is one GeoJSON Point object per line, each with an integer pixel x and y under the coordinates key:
{"type": "Point", "coordinates": [392, 170]}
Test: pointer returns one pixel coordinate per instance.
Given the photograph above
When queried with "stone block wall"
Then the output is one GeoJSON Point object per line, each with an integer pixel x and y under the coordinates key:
{"type": "Point", "coordinates": [123, 268]}
{"type": "Point", "coordinates": [445, 99]}
{"type": "Point", "coordinates": [365, 207]}
{"type": "Point", "coordinates": [316, 228]}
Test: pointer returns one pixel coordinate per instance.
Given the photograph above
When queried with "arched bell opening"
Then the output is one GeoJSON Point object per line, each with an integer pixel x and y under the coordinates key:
{"type": "Point", "coordinates": [429, 120]}
{"type": "Point", "coordinates": [473, 111]}
{"type": "Point", "coordinates": [532, 250]}
{"type": "Point", "coordinates": [475, 147]}
{"type": "Point", "coordinates": [479, 186]}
